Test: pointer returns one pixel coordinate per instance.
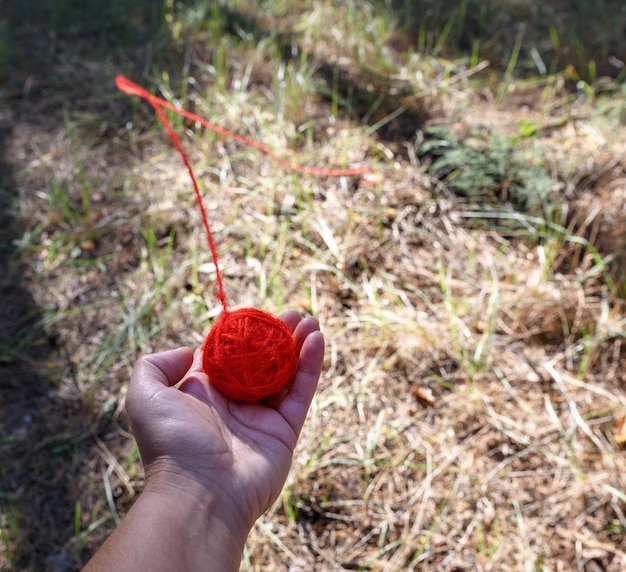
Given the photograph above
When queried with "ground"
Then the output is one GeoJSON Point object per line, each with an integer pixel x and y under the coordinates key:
{"type": "Point", "coordinates": [472, 410]}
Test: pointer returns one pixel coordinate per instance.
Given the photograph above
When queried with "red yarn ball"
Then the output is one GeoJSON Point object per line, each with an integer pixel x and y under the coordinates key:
{"type": "Point", "coordinates": [249, 355]}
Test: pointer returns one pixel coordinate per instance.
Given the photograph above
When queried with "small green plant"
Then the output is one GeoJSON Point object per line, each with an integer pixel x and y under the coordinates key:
{"type": "Point", "coordinates": [10, 532]}
{"type": "Point", "coordinates": [7, 57]}
{"type": "Point", "coordinates": [489, 175]}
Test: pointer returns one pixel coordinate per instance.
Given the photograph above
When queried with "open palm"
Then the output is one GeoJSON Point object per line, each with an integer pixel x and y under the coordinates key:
{"type": "Point", "coordinates": [189, 434]}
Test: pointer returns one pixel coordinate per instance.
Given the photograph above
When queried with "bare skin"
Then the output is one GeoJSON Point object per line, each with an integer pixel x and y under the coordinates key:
{"type": "Point", "coordinates": [213, 466]}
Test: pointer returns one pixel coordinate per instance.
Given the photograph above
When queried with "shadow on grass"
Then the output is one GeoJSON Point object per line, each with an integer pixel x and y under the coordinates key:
{"type": "Point", "coordinates": [24, 381]}
{"type": "Point", "coordinates": [54, 55]}
{"type": "Point", "coordinates": [366, 95]}
{"type": "Point", "coordinates": [521, 38]}
{"type": "Point", "coordinates": [588, 36]}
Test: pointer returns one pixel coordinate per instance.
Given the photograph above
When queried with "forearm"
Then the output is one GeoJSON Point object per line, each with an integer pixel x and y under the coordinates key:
{"type": "Point", "coordinates": [172, 532]}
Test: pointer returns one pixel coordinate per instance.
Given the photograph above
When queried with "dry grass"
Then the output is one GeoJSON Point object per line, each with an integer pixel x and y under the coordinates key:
{"type": "Point", "coordinates": [471, 411]}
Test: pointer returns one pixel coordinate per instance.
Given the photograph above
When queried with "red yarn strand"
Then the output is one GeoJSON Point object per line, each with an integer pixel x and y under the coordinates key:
{"type": "Point", "coordinates": [221, 293]}
{"type": "Point", "coordinates": [132, 88]}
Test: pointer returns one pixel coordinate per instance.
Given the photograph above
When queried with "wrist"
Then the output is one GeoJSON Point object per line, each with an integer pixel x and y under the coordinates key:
{"type": "Point", "coordinates": [204, 521]}
{"type": "Point", "coordinates": [176, 524]}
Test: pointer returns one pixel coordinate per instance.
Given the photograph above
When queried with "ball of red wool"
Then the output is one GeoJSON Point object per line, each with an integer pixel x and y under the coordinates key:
{"type": "Point", "coordinates": [249, 355]}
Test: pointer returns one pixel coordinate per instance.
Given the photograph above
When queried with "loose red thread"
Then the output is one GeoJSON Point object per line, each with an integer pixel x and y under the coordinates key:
{"type": "Point", "coordinates": [132, 88]}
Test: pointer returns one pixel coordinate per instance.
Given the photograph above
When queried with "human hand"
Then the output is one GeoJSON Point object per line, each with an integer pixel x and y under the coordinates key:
{"type": "Point", "coordinates": [198, 445]}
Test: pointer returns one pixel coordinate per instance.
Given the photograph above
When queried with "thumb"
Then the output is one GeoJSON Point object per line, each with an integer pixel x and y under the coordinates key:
{"type": "Point", "coordinates": [155, 372]}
